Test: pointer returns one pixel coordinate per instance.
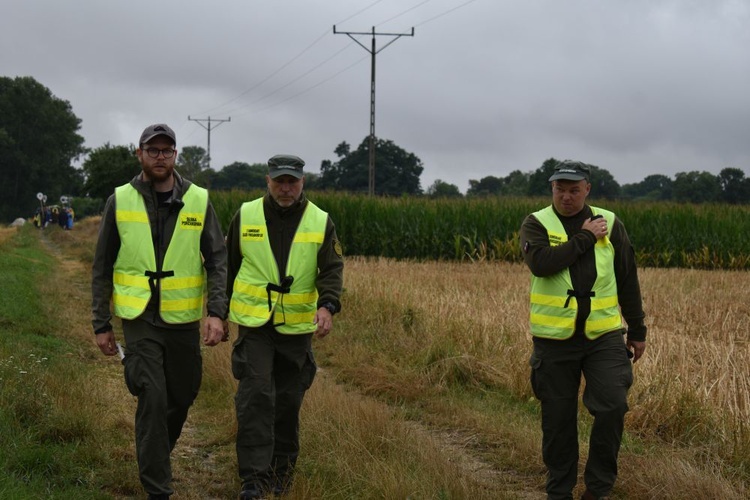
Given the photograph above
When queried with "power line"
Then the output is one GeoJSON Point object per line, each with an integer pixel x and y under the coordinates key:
{"type": "Point", "coordinates": [294, 80]}
{"type": "Point", "coordinates": [305, 91]}
{"type": "Point", "coordinates": [373, 4]}
{"type": "Point", "coordinates": [404, 12]}
{"type": "Point", "coordinates": [318, 84]}
{"type": "Point", "coordinates": [290, 61]}
{"type": "Point", "coordinates": [446, 12]}
{"type": "Point", "coordinates": [274, 73]}
{"type": "Point", "coordinates": [373, 52]}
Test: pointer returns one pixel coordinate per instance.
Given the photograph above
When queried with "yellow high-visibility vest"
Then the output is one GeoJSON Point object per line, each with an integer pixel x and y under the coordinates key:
{"type": "Point", "coordinates": [182, 282]}
{"type": "Point", "coordinates": [252, 302]}
{"type": "Point", "coordinates": [554, 307]}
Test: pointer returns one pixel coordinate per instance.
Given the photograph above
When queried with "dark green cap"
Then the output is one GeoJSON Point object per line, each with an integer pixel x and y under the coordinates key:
{"type": "Point", "coordinates": [285, 165]}
{"type": "Point", "coordinates": [570, 170]}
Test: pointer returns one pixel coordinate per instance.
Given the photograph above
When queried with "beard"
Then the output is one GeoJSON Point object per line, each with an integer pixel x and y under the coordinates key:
{"type": "Point", "coordinates": [158, 173]}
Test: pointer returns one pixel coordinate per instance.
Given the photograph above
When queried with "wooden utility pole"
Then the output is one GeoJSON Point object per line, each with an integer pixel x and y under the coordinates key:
{"type": "Point", "coordinates": [372, 51]}
{"type": "Point", "coordinates": [208, 128]}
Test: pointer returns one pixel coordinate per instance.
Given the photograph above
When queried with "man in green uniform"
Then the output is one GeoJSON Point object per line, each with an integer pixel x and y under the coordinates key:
{"type": "Point", "coordinates": [159, 239]}
{"type": "Point", "coordinates": [284, 282]}
{"type": "Point", "coordinates": [583, 274]}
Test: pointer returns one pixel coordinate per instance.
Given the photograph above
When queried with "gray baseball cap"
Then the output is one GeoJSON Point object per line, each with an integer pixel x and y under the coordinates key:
{"type": "Point", "coordinates": [570, 170]}
{"type": "Point", "coordinates": [279, 165]}
{"type": "Point", "coordinates": [156, 130]}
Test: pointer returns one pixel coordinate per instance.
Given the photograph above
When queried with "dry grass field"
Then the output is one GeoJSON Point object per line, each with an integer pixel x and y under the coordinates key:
{"type": "Point", "coordinates": [6, 232]}
{"type": "Point", "coordinates": [423, 390]}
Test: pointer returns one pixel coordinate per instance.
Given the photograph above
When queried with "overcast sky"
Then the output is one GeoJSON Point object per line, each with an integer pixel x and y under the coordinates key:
{"type": "Point", "coordinates": [484, 87]}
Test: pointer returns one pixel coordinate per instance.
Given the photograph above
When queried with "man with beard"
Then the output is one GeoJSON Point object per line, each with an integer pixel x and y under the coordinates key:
{"type": "Point", "coordinates": [159, 240]}
{"type": "Point", "coordinates": [285, 280]}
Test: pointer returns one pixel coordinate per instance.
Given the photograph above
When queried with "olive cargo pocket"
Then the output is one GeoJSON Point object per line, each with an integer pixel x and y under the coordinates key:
{"type": "Point", "coordinates": [626, 374]}
{"type": "Point", "coordinates": [239, 360]}
{"type": "Point", "coordinates": [308, 371]}
{"type": "Point", "coordinates": [535, 362]}
{"type": "Point", "coordinates": [197, 374]}
{"type": "Point", "coordinates": [133, 372]}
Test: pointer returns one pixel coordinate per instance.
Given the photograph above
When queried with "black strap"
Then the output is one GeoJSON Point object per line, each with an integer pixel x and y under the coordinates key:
{"type": "Point", "coordinates": [284, 287]}
{"type": "Point", "coordinates": [578, 295]}
{"type": "Point", "coordinates": [156, 275]}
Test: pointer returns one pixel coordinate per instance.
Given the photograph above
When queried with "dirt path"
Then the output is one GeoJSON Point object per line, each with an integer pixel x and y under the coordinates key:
{"type": "Point", "coordinates": [203, 463]}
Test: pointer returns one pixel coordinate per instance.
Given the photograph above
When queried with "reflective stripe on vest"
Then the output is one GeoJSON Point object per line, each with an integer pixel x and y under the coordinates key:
{"type": "Point", "coordinates": [296, 310]}
{"type": "Point", "coordinates": [553, 311]}
{"type": "Point", "coordinates": [181, 295]}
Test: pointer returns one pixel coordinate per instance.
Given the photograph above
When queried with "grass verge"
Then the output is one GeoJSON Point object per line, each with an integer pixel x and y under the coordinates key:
{"type": "Point", "coordinates": [52, 446]}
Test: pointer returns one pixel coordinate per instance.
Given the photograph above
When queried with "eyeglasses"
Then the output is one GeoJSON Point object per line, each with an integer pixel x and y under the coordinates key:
{"type": "Point", "coordinates": [154, 152]}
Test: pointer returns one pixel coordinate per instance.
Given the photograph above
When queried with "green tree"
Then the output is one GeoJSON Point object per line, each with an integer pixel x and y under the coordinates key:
{"type": "Point", "coordinates": [192, 163]}
{"type": "Point", "coordinates": [603, 184]}
{"type": "Point", "coordinates": [539, 179]}
{"type": "Point", "coordinates": [38, 142]}
{"type": "Point", "coordinates": [486, 186]}
{"type": "Point", "coordinates": [653, 187]}
{"type": "Point", "coordinates": [516, 183]}
{"type": "Point", "coordinates": [735, 187]}
{"type": "Point", "coordinates": [240, 175]}
{"type": "Point", "coordinates": [107, 167]}
{"type": "Point", "coordinates": [696, 187]}
{"type": "Point", "coordinates": [396, 170]}
{"type": "Point", "coordinates": [442, 189]}
{"type": "Point", "coordinates": [312, 181]}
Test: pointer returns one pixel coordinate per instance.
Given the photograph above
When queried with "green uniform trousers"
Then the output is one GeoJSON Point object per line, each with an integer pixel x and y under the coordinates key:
{"type": "Point", "coordinates": [274, 371]}
{"type": "Point", "coordinates": [163, 369]}
{"type": "Point", "coordinates": [556, 368]}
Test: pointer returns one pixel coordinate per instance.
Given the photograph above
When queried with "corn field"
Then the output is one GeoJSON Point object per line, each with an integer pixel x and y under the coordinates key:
{"type": "Point", "coordinates": [708, 236]}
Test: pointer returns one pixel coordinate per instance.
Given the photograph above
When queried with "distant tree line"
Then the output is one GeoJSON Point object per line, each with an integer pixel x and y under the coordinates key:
{"type": "Point", "coordinates": [39, 142]}
{"type": "Point", "coordinates": [730, 186]}
{"type": "Point", "coordinates": [397, 171]}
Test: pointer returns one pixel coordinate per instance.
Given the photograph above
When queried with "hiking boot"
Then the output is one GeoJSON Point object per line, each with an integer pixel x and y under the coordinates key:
{"type": "Point", "coordinates": [587, 495]}
{"type": "Point", "coordinates": [281, 486]}
{"type": "Point", "coordinates": [251, 491]}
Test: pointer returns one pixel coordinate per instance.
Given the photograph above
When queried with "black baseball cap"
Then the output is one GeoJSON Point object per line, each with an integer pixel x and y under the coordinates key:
{"type": "Point", "coordinates": [279, 165]}
{"type": "Point", "coordinates": [570, 170]}
{"type": "Point", "coordinates": [156, 130]}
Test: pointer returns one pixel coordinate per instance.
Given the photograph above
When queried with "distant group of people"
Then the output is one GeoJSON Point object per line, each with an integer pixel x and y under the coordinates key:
{"type": "Point", "coordinates": [64, 216]}
{"type": "Point", "coordinates": [279, 276]}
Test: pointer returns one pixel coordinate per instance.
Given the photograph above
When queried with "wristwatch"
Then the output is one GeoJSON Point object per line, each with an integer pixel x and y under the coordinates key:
{"type": "Point", "coordinates": [329, 305]}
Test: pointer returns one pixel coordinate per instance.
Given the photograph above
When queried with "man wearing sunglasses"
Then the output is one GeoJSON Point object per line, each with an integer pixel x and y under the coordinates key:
{"type": "Point", "coordinates": [160, 246]}
{"type": "Point", "coordinates": [284, 282]}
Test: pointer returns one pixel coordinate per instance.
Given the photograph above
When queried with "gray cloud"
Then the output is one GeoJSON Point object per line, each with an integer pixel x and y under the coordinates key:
{"type": "Point", "coordinates": [638, 87]}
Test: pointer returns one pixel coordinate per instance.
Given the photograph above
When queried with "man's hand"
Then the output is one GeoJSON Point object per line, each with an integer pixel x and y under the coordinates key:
{"type": "Point", "coordinates": [106, 342]}
{"type": "Point", "coordinates": [324, 320]}
{"type": "Point", "coordinates": [597, 226]}
{"type": "Point", "coordinates": [215, 331]}
{"type": "Point", "coordinates": [638, 348]}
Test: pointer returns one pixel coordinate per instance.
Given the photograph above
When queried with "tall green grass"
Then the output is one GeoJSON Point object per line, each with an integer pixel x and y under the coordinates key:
{"type": "Point", "coordinates": [663, 234]}
{"type": "Point", "coordinates": [46, 442]}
